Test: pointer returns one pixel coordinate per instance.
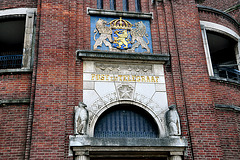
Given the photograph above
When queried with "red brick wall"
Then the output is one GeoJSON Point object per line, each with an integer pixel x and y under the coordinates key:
{"type": "Point", "coordinates": [15, 86]}
{"type": "Point", "coordinates": [227, 94]}
{"type": "Point", "coordinates": [6, 4]}
{"type": "Point", "coordinates": [212, 17]}
{"type": "Point", "coordinates": [223, 5]}
{"type": "Point", "coordinates": [228, 127]}
{"type": "Point", "coordinates": [55, 59]}
{"type": "Point", "coordinates": [13, 128]}
{"type": "Point", "coordinates": [191, 78]}
{"type": "Point", "coordinates": [220, 4]}
{"type": "Point", "coordinates": [235, 14]}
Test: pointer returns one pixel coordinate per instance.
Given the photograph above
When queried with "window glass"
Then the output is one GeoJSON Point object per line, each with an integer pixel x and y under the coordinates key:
{"type": "Point", "coordinates": [223, 55]}
{"type": "Point", "coordinates": [126, 121]}
{"type": "Point", "coordinates": [11, 42]}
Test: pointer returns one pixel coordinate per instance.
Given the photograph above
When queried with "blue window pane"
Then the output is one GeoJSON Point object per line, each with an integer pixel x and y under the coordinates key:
{"type": "Point", "coordinates": [125, 5]}
{"type": "Point", "coordinates": [99, 4]}
{"type": "Point", "coordinates": [138, 5]}
{"type": "Point", "coordinates": [112, 5]}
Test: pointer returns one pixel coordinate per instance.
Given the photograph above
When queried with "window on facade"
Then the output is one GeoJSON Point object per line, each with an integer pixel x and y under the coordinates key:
{"type": "Point", "coordinates": [125, 5]}
{"type": "Point", "coordinates": [11, 42]}
{"type": "Point", "coordinates": [138, 5]}
{"type": "Point", "coordinates": [126, 121]}
{"type": "Point", "coordinates": [16, 38]}
{"type": "Point", "coordinates": [99, 4]}
{"type": "Point", "coordinates": [224, 54]}
{"type": "Point", "coordinates": [112, 5]}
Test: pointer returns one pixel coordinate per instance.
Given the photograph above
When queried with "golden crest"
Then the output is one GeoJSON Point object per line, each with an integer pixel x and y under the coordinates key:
{"type": "Point", "coordinates": [121, 35]}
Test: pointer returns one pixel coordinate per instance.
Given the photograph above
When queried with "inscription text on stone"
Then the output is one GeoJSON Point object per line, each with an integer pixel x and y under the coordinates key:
{"type": "Point", "coordinates": [126, 78]}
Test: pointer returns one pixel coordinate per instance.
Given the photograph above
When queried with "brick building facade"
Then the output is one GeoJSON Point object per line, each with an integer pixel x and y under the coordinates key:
{"type": "Point", "coordinates": [119, 79]}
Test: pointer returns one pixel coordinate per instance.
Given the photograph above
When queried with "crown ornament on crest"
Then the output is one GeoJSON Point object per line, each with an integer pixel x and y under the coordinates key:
{"type": "Point", "coordinates": [120, 24]}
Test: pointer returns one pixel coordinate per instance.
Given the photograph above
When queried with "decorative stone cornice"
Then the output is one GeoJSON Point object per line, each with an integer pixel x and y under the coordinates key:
{"type": "Point", "coordinates": [127, 142]}
{"type": "Point", "coordinates": [103, 12]}
{"type": "Point", "coordinates": [84, 144]}
{"type": "Point", "coordinates": [106, 55]}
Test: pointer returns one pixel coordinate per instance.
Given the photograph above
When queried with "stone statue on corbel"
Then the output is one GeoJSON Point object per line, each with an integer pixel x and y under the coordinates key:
{"type": "Point", "coordinates": [173, 121]}
{"type": "Point", "coordinates": [81, 119]}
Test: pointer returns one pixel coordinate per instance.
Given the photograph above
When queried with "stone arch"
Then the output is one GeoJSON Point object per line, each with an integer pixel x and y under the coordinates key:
{"type": "Point", "coordinates": [159, 122]}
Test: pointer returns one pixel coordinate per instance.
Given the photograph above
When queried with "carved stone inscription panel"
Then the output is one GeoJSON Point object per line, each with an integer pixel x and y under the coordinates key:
{"type": "Point", "coordinates": [109, 84]}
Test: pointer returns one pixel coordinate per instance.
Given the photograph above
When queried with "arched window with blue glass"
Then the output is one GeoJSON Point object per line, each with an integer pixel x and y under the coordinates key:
{"type": "Point", "coordinates": [127, 121]}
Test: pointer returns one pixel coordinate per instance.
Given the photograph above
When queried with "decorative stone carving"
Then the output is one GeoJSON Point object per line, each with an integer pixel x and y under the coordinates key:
{"type": "Point", "coordinates": [125, 91]}
{"type": "Point", "coordinates": [137, 35]}
{"type": "Point", "coordinates": [123, 68]}
{"type": "Point", "coordinates": [81, 119]}
{"type": "Point", "coordinates": [105, 33]}
{"type": "Point", "coordinates": [173, 121]}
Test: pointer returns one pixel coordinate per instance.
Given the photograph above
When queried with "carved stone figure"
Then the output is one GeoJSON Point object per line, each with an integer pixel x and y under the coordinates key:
{"type": "Point", "coordinates": [173, 121]}
{"type": "Point", "coordinates": [105, 33]}
{"type": "Point", "coordinates": [81, 119]}
{"type": "Point", "coordinates": [137, 35]}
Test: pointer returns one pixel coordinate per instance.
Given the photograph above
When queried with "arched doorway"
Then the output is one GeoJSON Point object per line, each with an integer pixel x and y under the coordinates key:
{"type": "Point", "coordinates": [126, 120]}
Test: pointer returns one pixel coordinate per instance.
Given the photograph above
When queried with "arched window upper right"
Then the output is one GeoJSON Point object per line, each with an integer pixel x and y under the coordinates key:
{"type": "Point", "coordinates": [222, 47]}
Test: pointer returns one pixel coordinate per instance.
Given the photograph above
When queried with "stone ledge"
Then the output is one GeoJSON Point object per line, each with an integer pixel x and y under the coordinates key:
{"type": "Point", "coordinates": [224, 80]}
{"type": "Point", "coordinates": [106, 55]}
{"type": "Point", "coordinates": [81, 141]}
{"type": "Point", "coordinates": [102, 12]}
{"type": "Point", "coordinates": [19, 70]}
{"type": "Point", "coordinates": [227, 107]}
{"type": "Point", "coordinates": [14, 101]}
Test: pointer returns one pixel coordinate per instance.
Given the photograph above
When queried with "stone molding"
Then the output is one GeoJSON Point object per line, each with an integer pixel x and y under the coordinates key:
{"type": "Point", "coordinates": [90, 146]}
{"type": "Point", "coordinates": [227, 107]}
{"type": "Point", "coordinates": [103, 12]}
{"type": "Point", "coordinates": [119, 67]}
{"type": "Point", "coordinates": [106, 55]}
{"type": "Point", "coordinates": [14, 101]}
{"type": "Point", "coordinates": [85, 141]}
{"type": "Point", "coordinates": [4, 71]}
{"type": "Point", "coordinates": [224, 80]}
{"type": "Point", "coordinates": [100, 106]}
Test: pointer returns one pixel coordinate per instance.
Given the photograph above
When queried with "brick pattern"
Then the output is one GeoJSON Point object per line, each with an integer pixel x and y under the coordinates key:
{"type": "Point", "coordinates": [15, 86]}
{"type": "Point", "coordinates": [223, 5]}
{"type": "Point", "coordinates": [228, 127]}
{"type": "Point", "coordinates": [227, 94]}
{"type": "Point", "coordinates": [220, 4]}
{"type": "Point", "coordinates": [212, 17]}
{"type": "Point", "coordinates": [190, 72]}
{"type": "Point", "coordinates": [13, 129]}
{"type": "Point", "coordinates": [6, 4]}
